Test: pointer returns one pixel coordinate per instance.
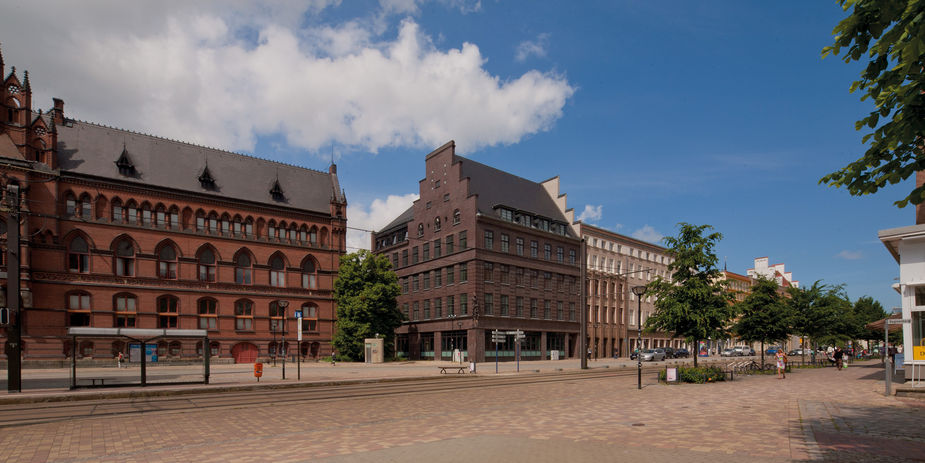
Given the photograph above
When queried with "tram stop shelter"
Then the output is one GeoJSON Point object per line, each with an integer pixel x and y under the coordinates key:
{"type": "Point", "coordinates": [136, 335]}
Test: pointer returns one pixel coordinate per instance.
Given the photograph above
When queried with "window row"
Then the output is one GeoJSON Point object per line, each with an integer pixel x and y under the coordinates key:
{"type": "Point", "coordinates": [531, 221]}
{"type": "Point", "coordinates": [488, 242]}
{"type": "Point", "coordinates": [492, 305]}
{"type": "Point", "coordinates": [439, 277]}
{"type": "Point", "coordinates": [441, 247]}
{"type": "Point", "coordinates": [549, 281]}
{"type": "Point", "coordinates": [125, 252]}
{"type": "Point", "coordinates": [620, 249]}
{"type": "Point", "coordinates": [169, 217]}
{"type": "Point", "coordinates": [125, 313]}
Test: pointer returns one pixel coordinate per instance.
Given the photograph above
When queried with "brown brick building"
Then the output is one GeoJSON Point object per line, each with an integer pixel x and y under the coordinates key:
{"type": "Point", "coordinates": [482, 249]}
{"type": "Point", "coordinates": [122, 229]}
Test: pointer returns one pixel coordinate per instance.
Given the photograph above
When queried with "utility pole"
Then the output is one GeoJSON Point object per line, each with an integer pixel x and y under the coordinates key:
{"type": "Point", "coordinates": [14, 329]}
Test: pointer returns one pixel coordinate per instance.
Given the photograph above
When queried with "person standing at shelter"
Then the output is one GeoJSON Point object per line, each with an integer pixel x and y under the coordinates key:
{"type": "Point", "coordinates": [119, 359]}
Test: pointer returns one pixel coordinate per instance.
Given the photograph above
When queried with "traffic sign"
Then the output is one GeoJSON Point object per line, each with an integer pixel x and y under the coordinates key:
{"type": "Point", "coordinates": [298, 314]}
{"type": "Point", "coordinates": [897, 321]}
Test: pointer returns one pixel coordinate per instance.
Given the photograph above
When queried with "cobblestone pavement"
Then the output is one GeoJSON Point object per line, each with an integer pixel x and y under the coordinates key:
{"type": "Point", "coordinates": [819, 414]}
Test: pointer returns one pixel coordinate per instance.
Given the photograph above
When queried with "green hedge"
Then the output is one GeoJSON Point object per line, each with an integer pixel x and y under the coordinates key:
{"type": "Point", "coordinates": [697, 375]}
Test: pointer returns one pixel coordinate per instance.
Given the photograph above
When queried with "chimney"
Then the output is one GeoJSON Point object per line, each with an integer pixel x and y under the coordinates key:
{"type": "Point", "coordinates": [59, 111]}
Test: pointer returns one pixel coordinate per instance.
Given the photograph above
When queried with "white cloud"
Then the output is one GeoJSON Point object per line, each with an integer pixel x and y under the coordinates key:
{"type": "Point", "coordinates": [647, 233]}
{"type": "Point", "coordinates": [222, 74]}
{"type": "Point", "coordinates": [591, 213]}
{"type": "Point", "coordinates": [377, 215]}
{"type": "Point", "coordinates": [530, 48]}
{"type": "Point", "coordinates": [849, 255]}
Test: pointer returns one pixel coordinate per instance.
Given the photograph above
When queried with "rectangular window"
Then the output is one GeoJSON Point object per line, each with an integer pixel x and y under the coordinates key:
{"type": "Point", "coordinates": [450, 308]}
{"type": "Point", "coordinates": [394, 260]}
{"type": "Point", "coordinates": [489, 304]}
{"type": "Point", "coordinates": [404, 258]}
{"type": "Point", "coordinates": [488, 269]}
{"type": "Point", "coordinates": [505, 272]}
{"type": "Point", "coordinates": [425, 248]}
{"type": "Point", "coordinates": [436, 248]}
{"type": "Point", "coordinates": [534, 249]}
{"type": "Point", "coordinates": [519, 306]}
{"type": "Point", "coordinates": [571, 257]}
{"type": "Point", "coordinates": [547, 281]}
{"type": "Point", "coordinates": [519, 246]}
{"type": "Point", "coordinates": [504, 308]}
{"type": "Point", "coordinates": [463, 273]}
{"type": "Point", "coordinates": [415, 283]}
{"type": "Point", "coordinates": [489, 239]}
{"type": "Point", "coordinates": [426, 309]}
{"type": "Point", "coordinates": [547, 251]}
{"type": "Point", "coordinates": [438, 278]}
{"type": "Point", "coordinates": [449, 244]}
{"type": "Point", "coordinates": [463, 304]}
{"type": "Point", "coordinates": [125, 312]}
{"type": "Point", "coordinates": [416, 311]}
{"type": "Point", "coordinates": [414, 255]}
{"type": "Point", "coordinates": [438, 308]}
{"type": "Point", "coordinates": [532, 308]}
{"type": "Point", "coordinates": [559, 311]}
{"type": "Point", "coordinates": [426, 280]}
{"type": "Point", "coordinates": [519, 276]}
{"type": "Point", "coordinates": [560, 254]}
{"type": "Point", "coordinates": [546, 310]}
{"type": "Point", "coordinates": [449, 275]}
{"type": "Point", "coordinates": [462, 240]}
{"type": "Point", "coordinates": [534, 278]}
{"type": "Point", "coordinates": [404, 309]}
{"type": "Point", "coordinates": [505, 243]}
{"type": "Point", "coordinates": [571, 311]}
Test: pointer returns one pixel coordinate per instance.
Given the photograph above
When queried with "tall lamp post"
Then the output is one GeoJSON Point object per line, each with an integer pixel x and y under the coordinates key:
{"type": "Point", "coordinates": [282, 308]}
{"type": "Point", "coordinates": [639, 291]}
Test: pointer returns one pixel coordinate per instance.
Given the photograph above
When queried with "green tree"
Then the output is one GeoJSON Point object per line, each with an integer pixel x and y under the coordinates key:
{"type": "Point", "coordinates": [832, 317]}
{"type": "Point", "coordinates": [693, 304]}
{"type": "Point", "coordinates": [366, 291]}
{"type": "Point", "coordinates": [763, 316]}
{"type": "Point", "coordinates": [867, 310]}
{"type": "Point", "coordinates": [802, 303]}
{"type": "Point", "coordinates": [890, 36]}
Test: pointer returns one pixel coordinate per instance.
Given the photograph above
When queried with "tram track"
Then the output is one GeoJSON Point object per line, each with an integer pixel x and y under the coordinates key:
{"type": "Point", "coordinates": [45, 412]}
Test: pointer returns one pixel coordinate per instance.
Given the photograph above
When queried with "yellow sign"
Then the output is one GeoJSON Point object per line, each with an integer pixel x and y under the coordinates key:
{"type": "Point", "coordinates": [918, 352]}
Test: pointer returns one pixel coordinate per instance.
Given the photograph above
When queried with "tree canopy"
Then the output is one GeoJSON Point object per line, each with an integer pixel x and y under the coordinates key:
{"type": "Point", "coordinates": [890, 36]}
{"type": "Point", "coordinates": [693, 304]}
{"type": "Point", "coordinates": [366, 292]}
{"type": "Point", "coordinates": [763, 316]}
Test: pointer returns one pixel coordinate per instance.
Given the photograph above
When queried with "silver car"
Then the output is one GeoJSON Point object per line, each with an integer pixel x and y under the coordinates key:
{"type": "Point", "coordinates": [653, 355]}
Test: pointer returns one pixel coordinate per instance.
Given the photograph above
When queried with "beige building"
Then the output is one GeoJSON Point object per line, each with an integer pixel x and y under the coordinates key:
{"type": "Point", "coordinates": [615, 264]}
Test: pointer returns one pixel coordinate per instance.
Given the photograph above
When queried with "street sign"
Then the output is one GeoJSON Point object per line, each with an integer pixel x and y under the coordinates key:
{"type": "Point", "coordinates": [298, 330]}
{"type": "Point", "coordinates": [298, 314]}
{"type": "Point", "coordinates": [897, 321]}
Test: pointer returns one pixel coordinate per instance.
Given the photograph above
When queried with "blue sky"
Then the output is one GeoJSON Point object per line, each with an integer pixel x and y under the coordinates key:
{"type": "Point", "coordinates": [651, 113]}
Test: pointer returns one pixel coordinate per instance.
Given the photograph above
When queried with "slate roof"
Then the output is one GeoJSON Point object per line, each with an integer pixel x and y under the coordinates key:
{"type": "Point", "coordinates": [91, 149]}
{"type": "Point", "coordinates": [402, 219]}
{"type": "Point", "coordinates": [495, 187]}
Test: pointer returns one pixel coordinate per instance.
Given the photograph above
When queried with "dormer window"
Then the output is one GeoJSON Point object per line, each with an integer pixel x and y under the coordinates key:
{"type": "Point", "coordinates": [277, 192]}
{"type": "Point", "coordinates": [125, 165]}
{"type": "Point", "coordinates": [206, 179]}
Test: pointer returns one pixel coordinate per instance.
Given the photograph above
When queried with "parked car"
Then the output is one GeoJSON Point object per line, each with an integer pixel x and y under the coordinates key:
{"type": "Point", "coordinates": [682, 353]}
{"type": "Point", "coordinates": [744, 351]}
{"type": "Point", "coordinates": [669, 352]}
{"type": "Point", "coordinates": [728, 353]}
{"type": "Point", "coordinates": [772, 350]}
{"type": "Point", "coordinates": [653, 355]}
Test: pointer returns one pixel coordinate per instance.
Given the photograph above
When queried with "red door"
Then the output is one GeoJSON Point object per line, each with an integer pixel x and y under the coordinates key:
{"type": "Point", "coordinates": [244, 352]}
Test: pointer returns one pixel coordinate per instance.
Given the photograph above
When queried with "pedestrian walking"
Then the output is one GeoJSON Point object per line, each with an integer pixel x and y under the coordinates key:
{"type": "Point", "coordinates": [839, 357]}
{"type": "Point", "coordinates": [333, 358]}
{"type": "Point", "coordinates": [781, 364]}
{"type": "Point", "coordinates": [119, 359]}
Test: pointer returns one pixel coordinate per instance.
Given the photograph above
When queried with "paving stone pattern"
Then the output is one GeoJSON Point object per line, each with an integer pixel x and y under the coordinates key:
{"type": "Point", "coordinates": [820, 414]}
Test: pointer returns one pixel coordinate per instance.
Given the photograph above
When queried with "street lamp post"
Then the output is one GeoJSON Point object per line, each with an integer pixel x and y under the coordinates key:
{"type": "Point", "coordinates": [282, 308]}
{"type": "Point", "coordinates": [639, 291]}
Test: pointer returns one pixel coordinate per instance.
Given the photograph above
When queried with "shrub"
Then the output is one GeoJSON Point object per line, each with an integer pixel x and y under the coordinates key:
{"type": "Point", "coordinates": [697, 375]}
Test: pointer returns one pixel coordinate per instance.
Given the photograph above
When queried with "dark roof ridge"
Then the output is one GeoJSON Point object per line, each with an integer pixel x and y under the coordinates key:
{"type": "Point", "coordinates": [463, 158]}
{"type": "Point", "coordinates": [196, 146]}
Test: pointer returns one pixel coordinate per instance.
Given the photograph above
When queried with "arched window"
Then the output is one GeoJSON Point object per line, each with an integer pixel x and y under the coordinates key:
{"type": "Point", "coordinates": [70, 205]}
{"type": "Point", "coordinates": [277, 317]}
{"type": "Point", "coordinates": [125, 305]}
{"type": "Point", "coordinates": [303, 234]}
{"type": "Point", "coordinates": [167, 262]}
{"type": "Point", "coordinates": [309, 317]}
{"type": "Point", "coordinates": [146, 217]}
{"type": "Point", "coordinates": [200, 221]}
{"type": "Point", "coordinates": [277, 272]}
{"type": "Point", "coordinates": [85, 206]}
{"type": "Point", "coordinates": [213, 349]}
{"type": "Point", "coordinates": [206, 265]}
{"type": "Point", "coordinates": [78, 256]}
{"type": "Point", "coordinates": [249, 227]}
{"type": "Point", "coordinates": [313, 236]}
{"type": "Point", "coordinates": [455, 216]}
{"type": "Point", "coordinates": [160, 216]}
{"type": "Point", "coordinates": [125, 258]}
{"type": "Point", "coordinates": [208, 314]}
{"type": "Point", "coordinates": [174, 216]}
{"type": "Point", "coordinates": [271, 231]}
{"type": "Point", "coordinates": [226, 224]}
{"type": "Point", "coordinates": [436, 223]}
{"type": "Point", "coordinates": [131, 212]}
{"type": "Point", "coordinates": [236, 226]}
{"type": "Point", "coordinates": [242, 269]}
{"type": "Point", "coordinates": [167, 311]}
{"type": "Point", "coordinates": [244, 315]}
{"type": "Point", "coordinates": [420, 229]}
{"type": "Point", "coordinates": [118, 215]}
{"type": "Point", "coordinates": [78, 309]}
{"type": "Point", "coordinates": [213, 223]}
{"type": "Point", "coordinates": [309, 274]}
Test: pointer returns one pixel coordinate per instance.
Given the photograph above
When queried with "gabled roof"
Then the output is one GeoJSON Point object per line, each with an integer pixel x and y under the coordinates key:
{"type": "Point", "coordinates": [93, 150]}
{"type": "Point", "coordinates": [402, 219]}
{"type": "Point", "coordinates": [495, 187]}
{"type": "Point", "coordinates": [8, 148]}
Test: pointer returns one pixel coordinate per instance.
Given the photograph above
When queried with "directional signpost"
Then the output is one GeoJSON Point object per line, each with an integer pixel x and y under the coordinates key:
{"type": "Point", "coordinates": [518, 336]}
{"type": "Point", "coordinates": [497, 337]}
{"type": "Point", "coordinates": [298, 316]}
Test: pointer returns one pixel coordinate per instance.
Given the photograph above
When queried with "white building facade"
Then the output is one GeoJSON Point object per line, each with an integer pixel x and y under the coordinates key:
{"type": "Point", "coordinates": [907, 245]}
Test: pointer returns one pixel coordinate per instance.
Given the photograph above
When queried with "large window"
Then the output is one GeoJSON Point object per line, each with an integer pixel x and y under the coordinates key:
{"type": "Point", "coordinates": [244, 315]}
{"type": "Point", "coordinates": [78, 309]}
{"type": "Point", "coordinates": [125, 305]}
{"type": "Point", "coordinates": [242, 269]}
{"type": "Point", "coordinates": [277, 272]}
{"type": "Point", "coordinates": [208, 314]}
{"type": "Point", "coordinates": [505, 243]}
{"type": "Point", "coordinates": [310, 274]}
{"type": "Point", "coordinates": [206, 265]}
{"type": "Point", "coordinates": [277, 317]}
{"type": "Point", "coordinates": [167, 263]}
{"type": "Point", "coordinates": [118, 212]}
{"type": "Point", "coordinates": [125, 258]}
{"type": "Point", "coordinates": [489, 239]}
{"type": "Point", "coordinates": [78, 256]}
{"type": "Point", "coordinates": [167, 312]}
{"type": "Point", "coordinates": [309, 317]}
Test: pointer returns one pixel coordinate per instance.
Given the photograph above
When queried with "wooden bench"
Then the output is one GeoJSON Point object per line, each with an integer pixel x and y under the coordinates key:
{"type": "Point", "coordinates": [459, 369]}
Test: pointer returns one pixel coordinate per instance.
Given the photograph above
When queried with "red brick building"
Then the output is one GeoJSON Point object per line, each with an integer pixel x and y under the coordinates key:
{"type": "Point", "coordinates": [480, 250]}
{"type": "Point", "coordinates": [122, 229]}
